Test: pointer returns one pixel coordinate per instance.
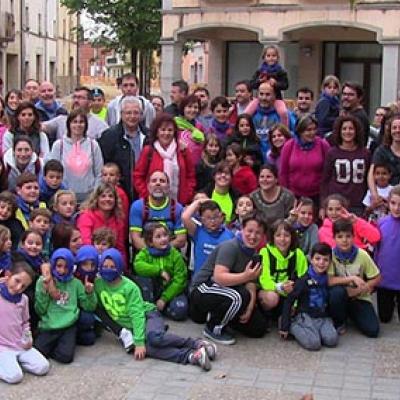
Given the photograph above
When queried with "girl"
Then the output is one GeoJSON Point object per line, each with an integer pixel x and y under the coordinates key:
{"type": "Point", "coordinates": [244, 181]}
{"type": "Point", "coordinates": [245, 135]}
{"type": "Point", "coordinates": [346, 164]}
{"type": "Point", "coordinates": [210, 157]}
{"type": "Point", "coordinates": [8, 207]}
{"type": "Point", "coordinates": [167, 270]}
{"type": "Point", "coordinates": [244, 206]}
{"type": "Point", "coordinates": [278, 135]}
{"type": "Point", "coordinates": [67, 236]}
{"type": "Point", "coordinates": [64, 207]}
{"type": "Point", "coordinates": [16, 351]}
{"type": "Point", "coordinates": [335, 207]}
{"type": "Point", "coordinates": [282, 263]}
{"type": "Point", "coordinates": [5, 247]}
{"type": "Point", "coordinates": [328, 105]}
{"type": "Point", "coordinates": [271, 71]}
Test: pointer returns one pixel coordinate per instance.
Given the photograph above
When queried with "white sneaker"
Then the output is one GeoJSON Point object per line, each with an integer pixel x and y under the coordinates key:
{"type": "Point", "coordinates": [126, 339]}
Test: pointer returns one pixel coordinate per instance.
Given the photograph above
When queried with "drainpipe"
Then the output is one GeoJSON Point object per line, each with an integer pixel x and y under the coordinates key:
{"type": "Point", "coordinates": [46, 78]}
{"type": "Point", "coordinates": [22, 41]}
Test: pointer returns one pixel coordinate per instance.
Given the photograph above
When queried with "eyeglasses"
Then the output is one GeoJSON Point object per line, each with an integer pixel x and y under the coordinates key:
{"type": "Point", "coordinates": [212, 219]}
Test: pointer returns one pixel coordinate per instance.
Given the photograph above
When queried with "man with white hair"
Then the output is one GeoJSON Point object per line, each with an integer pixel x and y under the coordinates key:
{"type": "Point", "coordinates": [122, 143]}
{"type": "Point", "coordinates": [129, 87]}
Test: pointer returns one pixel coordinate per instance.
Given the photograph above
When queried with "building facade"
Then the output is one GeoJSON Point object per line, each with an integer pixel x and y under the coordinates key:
{"type": "Point", "coordinates": [315, 37]}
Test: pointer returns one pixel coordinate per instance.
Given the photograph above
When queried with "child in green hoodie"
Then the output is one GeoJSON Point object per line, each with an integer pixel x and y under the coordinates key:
{"type": "Point", "coordinates": [59, 313]}
{"type": "Point", "coordinates": [165, 267]}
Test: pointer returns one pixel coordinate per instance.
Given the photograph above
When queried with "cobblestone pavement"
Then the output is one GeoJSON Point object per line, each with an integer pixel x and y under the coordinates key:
{"type": "Point", "coordinates": [358, 369]}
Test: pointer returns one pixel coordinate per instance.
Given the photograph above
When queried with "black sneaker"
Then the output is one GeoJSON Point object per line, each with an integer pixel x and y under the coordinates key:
{"type": "Point", "coordinates": [223, 338]}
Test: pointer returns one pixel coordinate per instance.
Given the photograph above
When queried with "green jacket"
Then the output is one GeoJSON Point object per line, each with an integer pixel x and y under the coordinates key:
{"type": "Point", "coordinates": [125, 305]}
{"type": "Point", "coordinates": [173, 263]}
{"type": "Point", "coordinates": [63, 313]}
{"type": "Point", "coordinates": [268, 278]}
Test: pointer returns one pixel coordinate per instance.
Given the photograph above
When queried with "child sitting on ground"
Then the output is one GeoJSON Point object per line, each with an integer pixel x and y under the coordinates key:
{"type": "Point", "coordinates": [64, 207]}
{"type": "Point", "coordinates": [58, 318]}
{"type": "Point", "coordinates": [39, 221]}
{"type": "Point", "coordinates": [16, 351]}
{"type": "Point", "coordinates": [5, 247]}
{"type": "Point", "coordinates": [140, 319]}
{"type": "Point", "coordinates": [166, 270]}
{"type": "Point", "coordinates": [207, 236]}
{"type": "Point", "coordinates": [51, 181]}
{"type": "Point", "coordinates": [353, 277]}
{"type": "Point", "coordinates": [311, 325]}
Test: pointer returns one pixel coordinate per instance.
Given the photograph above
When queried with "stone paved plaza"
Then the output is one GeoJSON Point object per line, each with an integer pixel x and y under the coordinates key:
{"type": "Point", "coordinates": [359, 369]}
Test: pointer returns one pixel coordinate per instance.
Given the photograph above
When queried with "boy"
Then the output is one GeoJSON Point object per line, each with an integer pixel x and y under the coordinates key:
{"type": "Point", "coordinates": [220, 125]}
{"type": "Point", "coordinates": [123, 310]}
{"type": "Point", "coordinates": [51, 181]}
{"type": "Point", "coordinates": [376, 210]}
{"type": "Point", "coordinates": [99, 108]}
{"type": "Point", "coordinates": [353, 277]}
{"type": "Point", "coordinates": [27, 197]}
{"type": "Point", "coordinates": [103, 239]}
{"type": "Point", "coordinates": [311, 326]}
{"type": "Point", "coordinates": [210, 233]}
{"type": "Point", "coordinates": [8, 207]}
{"type": "Point", "coordinates": [40, 220]}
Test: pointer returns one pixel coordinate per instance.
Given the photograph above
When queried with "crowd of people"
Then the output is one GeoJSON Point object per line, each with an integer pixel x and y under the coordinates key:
{"type": "Point", "coordinates": [240, 214]}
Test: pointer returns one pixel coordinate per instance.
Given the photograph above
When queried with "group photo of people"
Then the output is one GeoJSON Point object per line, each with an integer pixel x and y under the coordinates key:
{"type": "Point", "coordinates": [251, 215]}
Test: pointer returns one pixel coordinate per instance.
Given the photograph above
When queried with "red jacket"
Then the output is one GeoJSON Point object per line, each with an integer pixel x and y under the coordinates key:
{"type": "Point", "coordinates": [150, 161]}
{"type": "Point", "coordinates": [244, 180]}
{"type": "Point", "coordinates": [124, 200]}
{"type": "Point", "coordinates": [90, 220]}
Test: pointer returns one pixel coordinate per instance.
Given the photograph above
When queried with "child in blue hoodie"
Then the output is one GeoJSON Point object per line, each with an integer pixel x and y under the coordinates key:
{"type": "Point", "coordinates": [51, 180]}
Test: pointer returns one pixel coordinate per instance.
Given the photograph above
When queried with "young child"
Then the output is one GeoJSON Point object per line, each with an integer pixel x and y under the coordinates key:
{"type": "Point", "coordinates": [328, 105]}
{"type": "Point", "coordinates": [16, 351]}
{"type": "Point", "coordinates": [311, 325]}
{"type": "Point", "coordinates": [5, 247]}
{"type": "Point", "coordinates": [301, 217]}
{"type": "Point", "coordinates": [140, 319]}
{"type": "Point", "coordinates": [51, 181]}
{"type": "Point", "coordinates": [166, 268]}
{"type": "Point", "coordinates": [282, 264]}
{"type": "Point", "coordinates": [335, 207]}
{"type": "Point", "coordinates": [278, 135]}
{"type": "Point", "coordinates": [210, 157]}
{"type": "Point", "coordinates": [64, 207]}
{"type": "Point", "coordinates": [207, 236]}
{"type": "Point", "coordinates": [87, 260]}
{"type": "Point", "coordinates": [387, 251]}
{"type": "Point", "coordinates": [27, 197]}
{"type": "Point", "coordinates": [353, 277]}
{"type": "Point", "coordinates": [244, 180]}
{"type": "Point", "coordinates": [382, 175]}
{"type": "Point", "coordinates": [58, 318]}
{"type": "Point", "coordinates": [220, 125]}
{"type": "Point", "coordinates": [244, 206]}
{"type": "Point", "coordinates": [8, 207]}
{"type": "Point", "coordinates": [40, 221]}
{"type": "Point", "coordinates": [271, 71]}
{"type": "Point", "coordinates": [103, 239]}
{"type": "Point", "coordinates": [110, 173]}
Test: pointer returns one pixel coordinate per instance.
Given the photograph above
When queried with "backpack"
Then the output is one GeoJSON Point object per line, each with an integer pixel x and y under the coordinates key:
{"type": "Point", "coordinates": [290, 270]}
{"type": "Point", "coordinates": [146, 211]}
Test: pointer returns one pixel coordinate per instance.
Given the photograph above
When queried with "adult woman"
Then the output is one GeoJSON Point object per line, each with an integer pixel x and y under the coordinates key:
{"type": "Point", "coordinates": [224, 290]}
{"type": "Point", "coordinates": [387, 153]}
{"type": "Point", "coordinates": [271, 200]}
{"type": "Point", "coordinates": [158, 104]}
{"type": "Point", "coordinates": [164, 154]}
{"type": "Point", "coordinates": [346, 164]}
{"type": "Point", "coordinates": [12, 100]}
{"type": "Point", "coordinates": [19, 159]}
{"type": "Point", "coordinates": [190, 130]}
{"type": "Point", "coordinates": [302, 160]}
{"type": "Point", "coordinates": [26, 122]}
{"type": "Point", "coordinates": [64, 235]}
{"type": "Point", "coordinates": [103, 209]}
{"type": "Point", "coordinates": [80, 156]}
{"type": "Point", "coordinates": [220, 190]}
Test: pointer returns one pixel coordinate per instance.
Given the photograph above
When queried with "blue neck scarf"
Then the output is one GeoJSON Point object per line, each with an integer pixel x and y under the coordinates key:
{"type": "Point", "coordinates": [46, 192]}
{"type": "Point", "coordinates": [333, 100]}
{"type": "Point", "coordinates": [247, 250]}
{"type": "Point", "coordinates": [346, 257]}
{"type": "Point", "coordinates": [270, 69]}
{"type": "Point", "coordinates": [12, 298]}
{"type": "Point", "coordinates": [159, 252]}
{"type": "Point", "coordinates": [25, 207]}
{"type": "Point", "coordinates": [66, 255]}
{"type": "Point", "coordinates": [318, 292]}
{"type": "Point", "coordinates": [307, 146]}
{"type": "Point", "coordinates": [220, 127]}
{"type": "Point", "coordinates": [56, 218]}
{"type": "Point", "coordinates": [86, 253]}
{"type": "Point", "coordinates": [5, 260]}
{"type": "Point", "coordinates": [110, 275]}
{"type": "Point", "coordinates": [51, 110]}
{"type": "Point", "coordinates": [299, 228]}
{"type": "Point", "coordinates": [35, 262]}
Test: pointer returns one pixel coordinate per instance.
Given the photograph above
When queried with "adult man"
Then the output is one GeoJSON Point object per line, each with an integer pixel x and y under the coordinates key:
{"type": "Point", "coordinates": [243, 94]}
{"type": "Point", "coordinates": [352, 96]}
{"type": "Point", "coordinates": [47, 106]}
{"type": "Point", "coordinates": [82, 98]}
{"type": "Point", "coordinates": [31, 90]}
{"type": "Point", "coordinates": [305, 97]}
{"type": "Point", "coordinates": [129, 87]}
{"type": "Point", "coordinates": [205, 116]}
{"type": "Point", "coordinates": [266, 115]}
{"type": "Point", "coordinates": [179, 90]}
{"type": "Point", "coordinates": [123, 142]}
{"type": "Point", "coordinates": [157, 207]}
